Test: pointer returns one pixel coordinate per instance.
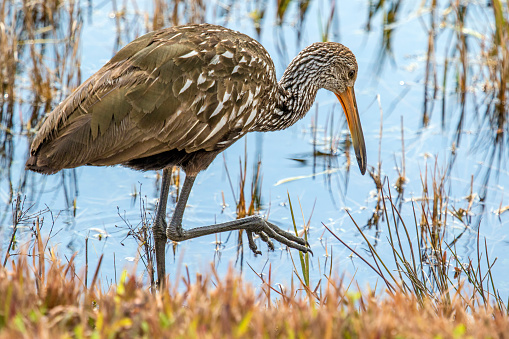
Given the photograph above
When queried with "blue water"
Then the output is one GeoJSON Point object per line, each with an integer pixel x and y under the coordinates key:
{"type": "Point", "coordinates": [102, 193]}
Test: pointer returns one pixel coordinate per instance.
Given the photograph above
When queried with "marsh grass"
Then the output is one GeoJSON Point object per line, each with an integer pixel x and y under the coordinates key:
{"type": "Point", "coordinates": [427, 264]}
{"type": "Point", "coordinates": [42, 296]}
{"type": "Point", "coordinates": [243, 208]}
{"type": "Point", "coordinates": [174, 13]}
{"type": "Point", "coordinates": [475, 66]}
{"type": "Point", "coordinates": [141, 232]}
{"type": "Point", "coordinates": [303, 257]}
{"type": "Point", "coordinates": [39, 64]}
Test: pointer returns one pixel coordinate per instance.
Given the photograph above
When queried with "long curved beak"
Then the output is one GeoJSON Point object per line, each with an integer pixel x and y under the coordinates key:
{"type": "Point", "coordinates": [347, 100]}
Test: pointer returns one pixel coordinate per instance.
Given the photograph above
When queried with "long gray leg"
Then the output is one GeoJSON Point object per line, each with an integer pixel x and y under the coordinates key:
{"type": "Point", "coordinates": [252, 224]}
{"type": "Point", "coordinates": [159, 227]}
{"type": "Point", "coordinates": [174, 230]}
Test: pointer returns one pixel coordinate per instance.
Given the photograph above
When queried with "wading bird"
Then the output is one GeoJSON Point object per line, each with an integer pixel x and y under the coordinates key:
{"type": "Point", "coordinates": [178, 97]}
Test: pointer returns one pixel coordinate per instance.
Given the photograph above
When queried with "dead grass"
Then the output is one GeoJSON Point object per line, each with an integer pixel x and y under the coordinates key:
{"type": "Point", "coordinates": [43, 297]}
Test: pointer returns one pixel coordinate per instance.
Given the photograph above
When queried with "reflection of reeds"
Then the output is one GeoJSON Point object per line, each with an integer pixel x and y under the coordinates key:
{"type": "Point", "coordinates": [494, 125]}
{"type": "Point", "coordinates": [38, 46]}
{"type": "Point", "coordinates": [325, 31]}
{"type": "Point", "coordinates": [282, 6]}
{"type": "Point", "coordinates": [258, 14]}
{"type": "Point", "coordinates": [430, 67]}
{"type": "Point", "coordinates": [241, 206]}
{"type": "Point", "coordinates": [500, 49]}
{"type": "Point", "coordinates": [496, 58]}
{"type": "Point", "coordinates": [178, 12]}
{"type": "Point", "coordinates": [390, 11]}
{"type": "Point", "coordinates": [423, 266]}
{"type": "Point", "coordinates": [462, 67]}
{"type": "Point", "coordinates": [494, 68]}
{"type": "Point", "coordinates": [303, 10]}
{"type": "Point", "coordinates": [478, 84]}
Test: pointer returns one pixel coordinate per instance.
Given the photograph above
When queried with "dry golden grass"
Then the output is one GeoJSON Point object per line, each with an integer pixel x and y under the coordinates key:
{"type": "Point", "coordinates": [42, 298]}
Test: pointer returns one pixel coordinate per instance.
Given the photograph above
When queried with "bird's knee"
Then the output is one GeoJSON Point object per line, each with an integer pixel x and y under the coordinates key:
{"type": "Point", "coordinates": [173, 234]}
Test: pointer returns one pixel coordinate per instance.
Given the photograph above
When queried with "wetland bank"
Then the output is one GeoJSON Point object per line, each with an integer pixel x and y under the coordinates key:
{"type": "Point", "coordinates": [431, 211]}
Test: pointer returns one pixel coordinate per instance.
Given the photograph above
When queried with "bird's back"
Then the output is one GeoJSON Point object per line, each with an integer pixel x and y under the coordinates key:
{"type": "Point", "coordinates": [165, 96]}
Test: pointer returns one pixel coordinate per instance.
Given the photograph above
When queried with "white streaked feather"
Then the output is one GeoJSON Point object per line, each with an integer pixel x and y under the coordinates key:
{"type": "Point", "coordinates": [196, 135]}
{"type": "Point", "coordinates": [248, 102]}
{"type": "Point", "coordinates": [202, 109]}
{"type": "Point", "coordinates": [176, 35]}
{"type": "Point", "coordinates": [214, 60]}
{"type": "Point", "coordinates": [226, 96]}
{"type": "Point", "coordinates": [217, 110]}
{"type": "Point", "coordinates": [227, 54]}
{"type": "Point", "coordinates": [188, 55]}
{"type": "Point", "coordinates": [186, 86]}
{"type": "Point", "coordinates": [201, 79]}
{"type": "Point", "coordinates": [217, 128]}
{"type": "Point", "coordinates": [254, 111]}
{"type": "Point", "coordinates": [185, 136]}
{"type": "Point", "coordinates": [195, 101]}
{"type": "Point", "coordinates": [257, 90]}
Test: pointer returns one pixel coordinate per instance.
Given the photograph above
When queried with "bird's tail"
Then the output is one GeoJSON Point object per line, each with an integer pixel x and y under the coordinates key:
{"type": "Point", "coordinates": [37, 164]}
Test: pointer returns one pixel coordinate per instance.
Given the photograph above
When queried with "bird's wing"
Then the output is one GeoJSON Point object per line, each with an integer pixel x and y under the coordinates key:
{"type": "Point", "coordinates": [163, 91]}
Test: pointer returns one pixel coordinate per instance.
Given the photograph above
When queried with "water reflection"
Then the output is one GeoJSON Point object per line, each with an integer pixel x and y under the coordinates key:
{"type": "Point", "coordinates": [441, 143]}
{"type": "Point", "coordinates": [39, 52]}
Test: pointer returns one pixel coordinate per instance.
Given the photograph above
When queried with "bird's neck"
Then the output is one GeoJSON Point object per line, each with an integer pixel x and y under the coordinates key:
{"type": "Point", "coordinates": [295, 94]}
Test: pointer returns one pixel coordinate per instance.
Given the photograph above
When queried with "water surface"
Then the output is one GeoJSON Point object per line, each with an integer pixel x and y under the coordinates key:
{"type": "Point", "coordinates": [95, 203]}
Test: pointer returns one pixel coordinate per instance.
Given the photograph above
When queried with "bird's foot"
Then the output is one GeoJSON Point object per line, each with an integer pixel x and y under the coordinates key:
{"type": "Point", "coordinates": [266, 230]}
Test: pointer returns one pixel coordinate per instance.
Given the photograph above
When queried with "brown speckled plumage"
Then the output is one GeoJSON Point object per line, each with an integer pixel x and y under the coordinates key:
{"type": "Point", "coordinates": [171, 95]}
{"type": "Point", "coordinates": [181, 95]}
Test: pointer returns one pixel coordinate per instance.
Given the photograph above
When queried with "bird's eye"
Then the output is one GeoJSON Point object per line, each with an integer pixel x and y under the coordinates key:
{"type": "Point", "coordinates": [351, 74]}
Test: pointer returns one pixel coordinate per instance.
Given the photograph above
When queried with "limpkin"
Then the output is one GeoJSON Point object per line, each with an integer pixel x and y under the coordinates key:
{"type": "Point", "coordinates": [180, 96]}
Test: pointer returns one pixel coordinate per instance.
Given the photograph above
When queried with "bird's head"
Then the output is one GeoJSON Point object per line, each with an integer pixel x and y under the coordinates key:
{"type": "Point", "coordinates": [337, 73]}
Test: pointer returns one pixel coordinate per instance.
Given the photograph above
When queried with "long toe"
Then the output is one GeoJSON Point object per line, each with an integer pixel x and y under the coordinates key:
{"type": "Point", "coordinates": [266, 239]}
{"type": "Point", "coordinates": [252, 244]}
{"type": "Point", "coordinates": [293, 241]}
{"type": "Point", "coordinates": [285, 234]}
